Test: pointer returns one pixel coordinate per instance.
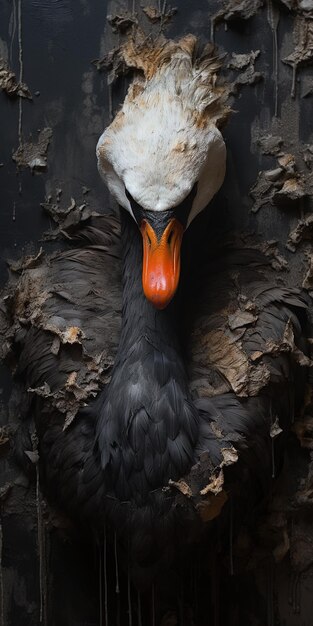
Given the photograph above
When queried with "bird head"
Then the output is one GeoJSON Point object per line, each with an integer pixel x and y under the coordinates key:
{"type": "Point", "coordinates": [163, 156]}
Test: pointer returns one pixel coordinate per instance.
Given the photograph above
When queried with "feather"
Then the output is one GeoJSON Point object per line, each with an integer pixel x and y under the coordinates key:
{"type": "Point", "coordinates": [114, 412]}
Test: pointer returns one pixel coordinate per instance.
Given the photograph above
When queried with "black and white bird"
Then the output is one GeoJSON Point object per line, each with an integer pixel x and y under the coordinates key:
{"type": "Point", "coordinates": [155, 445]}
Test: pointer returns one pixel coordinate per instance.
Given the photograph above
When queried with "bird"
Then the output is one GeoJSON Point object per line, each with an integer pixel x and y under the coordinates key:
{"type": "Point", "coordinates": [159, 389]}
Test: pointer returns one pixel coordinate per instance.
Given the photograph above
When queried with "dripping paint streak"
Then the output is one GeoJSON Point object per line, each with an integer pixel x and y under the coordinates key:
{"type": "Point", "coordinates": [118, 612]}
{"type": "Point", "coordinates": [105, 570]}
{"type": "Point", "coordinates": [293, 592]}
{"type": "Point", "coordinates": [100, 590]}
{"type": "Point", "coordinates": [231, 556]}
{"type": "Point", "coordinates": [20, 100]}
{"type": "Point", "coordinates": [139, 610]}
{"type": "Point", "coordinates": [294, 78]}
{"type": "Point", "coordinates": [214, 590]}
{"type": "Point", "coordinates": [1, 577]}
{"type": "Point", "coordinates": [181, 600]}
{"type": "Point", "coordinates": [291, 386]}
{"type": "Point", "coordinates": [196, 586]}
{"type": "Point", "coordinates": [162, 16]}
{"type": "Point", "coordinates": [273, 458]}
{"type": "Point", "coordinates": [153, 605]}
{"type": "Point", "coordinates": [110, 102]}
{"type": "Point", "coordinates": [41, 553]}
{"type": "Point", "coordinates": [117, 583]}
{"type": "Point", "coordinates": [212, 23]}
{"type": "Point", "coordinates": [273, 20]}
{"type": "Point", "coordinates": [270, 595]}
{"type": "Point", "coordinates": [297, 596]}
{"type": "Point", "coordinates": [130, 616]}
{"type": "Point", "coordinates": [272, 444]}
{"type": "Point", "coordinates": [275, 62]}
{"type": "Point", "coordinates": [20, 56]}
{"type": "Point", "coordinates": [13, 31]}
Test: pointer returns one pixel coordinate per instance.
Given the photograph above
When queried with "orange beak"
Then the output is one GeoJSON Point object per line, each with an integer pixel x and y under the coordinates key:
{"type": "Point", "coordinates": [161, 262]}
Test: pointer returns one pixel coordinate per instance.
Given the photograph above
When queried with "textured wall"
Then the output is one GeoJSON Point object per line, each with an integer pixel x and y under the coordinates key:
{"type": "Point", "coordinates": [47, 157]}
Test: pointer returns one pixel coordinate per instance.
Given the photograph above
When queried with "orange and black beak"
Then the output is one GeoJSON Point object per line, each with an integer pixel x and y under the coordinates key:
{"type": "Point", "coordinates": [161, 260]}
{"type": "Point", "coordinates": [162, 233]}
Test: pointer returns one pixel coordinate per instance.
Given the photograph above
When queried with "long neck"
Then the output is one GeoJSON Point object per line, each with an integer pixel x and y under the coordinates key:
{"type": "Point", "coordinates": [140, 319]}
{"type": "Point", "coordinates": [148, 426]}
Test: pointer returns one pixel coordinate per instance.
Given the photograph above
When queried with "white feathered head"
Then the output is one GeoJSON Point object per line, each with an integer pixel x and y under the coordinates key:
{"type": "Point", "coordinates": [163, 156]}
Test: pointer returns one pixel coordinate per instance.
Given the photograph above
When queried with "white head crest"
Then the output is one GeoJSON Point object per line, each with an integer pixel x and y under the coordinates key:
{"type": "Point", "coordinates": [165, 138]}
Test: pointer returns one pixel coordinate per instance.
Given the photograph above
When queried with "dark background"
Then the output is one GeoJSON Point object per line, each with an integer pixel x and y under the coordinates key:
{"type": "Point", "coordinates": [47, 574]}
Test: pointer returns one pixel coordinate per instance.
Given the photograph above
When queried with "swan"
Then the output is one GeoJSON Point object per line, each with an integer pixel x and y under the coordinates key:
{"type": "Point", "coordinates": [155, 397]}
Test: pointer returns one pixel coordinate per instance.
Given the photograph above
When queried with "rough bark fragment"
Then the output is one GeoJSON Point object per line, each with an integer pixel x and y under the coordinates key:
{"type": "Point", "coordinates": [286, 344]}
{"type": "Point", "coordinates": [122, 22]}
{"type": "Point", "coordinates": [302, 231]}
{"type": "Point", "coordinates": [241, 318]}
{"type": "Point", "coordinates": [182, 486]}
{"type": "Point", "coordinates": [303, 52]}
{"type": "Point", "coordinates": [10, 85]}
{"type": "Point", "coordinates": [230, 456]}
{"type": "Point", "coordinates": [229, 358]}
{"type": "Point", "coordinates": [248, 75]}
{"type": "Point", "coordinates": [270, 144]}
{"type": "Point", "coordinates": [27, 262]}
{"type": "Point", "coordinates": [292, 190]}
{"type": "Point", "coordinates": [155, 16]}
{"type": "Point", "coordinates": [68, 218]}
{"type": "Point", "coordinates": [34, 155]}
{"type": "Point", "coordinates": [308, 279]}
{"type": "Point", "coordinates": [113, 64]}
{"type": "Point", "coordinates": [278, 262]}
{"type": "Point", "coordinates": [238, 9]}
{"type": "Point", "coordinates": [282, 186]}
{"type": "Point", "coordinates": [275, 429]}
{"type": "Point", "coordinates": [215, 486]}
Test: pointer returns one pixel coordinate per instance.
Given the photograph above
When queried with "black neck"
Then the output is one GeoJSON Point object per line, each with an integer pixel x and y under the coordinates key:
{"type": "Point", "coordinates": [148, 425]}
{"type": "Point", "coordinates": [139, 317]}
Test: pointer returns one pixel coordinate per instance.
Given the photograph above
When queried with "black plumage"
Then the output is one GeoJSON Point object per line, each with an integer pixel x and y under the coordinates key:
{"type": "Point", "coordinates": [140, 425]}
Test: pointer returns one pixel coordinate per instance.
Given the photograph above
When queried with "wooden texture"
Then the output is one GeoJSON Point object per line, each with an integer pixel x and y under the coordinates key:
{"type": "Point", "coordinates": [48, 574]}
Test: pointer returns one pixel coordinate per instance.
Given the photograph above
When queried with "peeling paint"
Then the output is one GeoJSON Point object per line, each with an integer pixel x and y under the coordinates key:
{"type": "Point", "coordinates": [284, 185]}
{"type": "Point", "coordinates": [10, 85]}
{"type": "Point", "coordinates": [155, 15]}
{"type": "Point", "coordinates": [246, 63]}
{"type": "Point", "coordinates": [302, 231]}
{"type": "Point", "coordinates": [122, 22]}
{"type": "Point", "coordinates": [303, 52]}
{"type": "Point", "coordinates": [34, 155]}
{"type": "Point", "coordinates": [238, 9]}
